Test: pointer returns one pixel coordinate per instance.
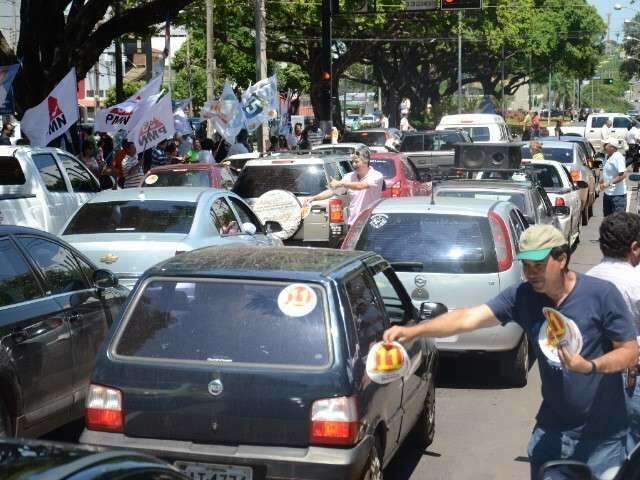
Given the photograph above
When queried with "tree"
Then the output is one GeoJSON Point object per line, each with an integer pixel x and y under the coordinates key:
{"type": "Point", "coordinates": [56, 35]}
{"type": "Point", "coordinates": [129, 89]}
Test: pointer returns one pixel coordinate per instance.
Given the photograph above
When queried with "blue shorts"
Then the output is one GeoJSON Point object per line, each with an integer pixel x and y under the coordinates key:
{"type": "Point", "coordinates": [601, 454]}
{"type": "Point", "coordinates": [614, 203]}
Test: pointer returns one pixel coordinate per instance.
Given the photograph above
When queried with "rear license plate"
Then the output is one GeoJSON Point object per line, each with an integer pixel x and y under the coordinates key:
{"type": "Point", "coordinates": [210, 471]}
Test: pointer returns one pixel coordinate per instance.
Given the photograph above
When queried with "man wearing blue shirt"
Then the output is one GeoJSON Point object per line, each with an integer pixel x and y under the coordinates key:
{"type": "Point", "coordinates": [583, 415]}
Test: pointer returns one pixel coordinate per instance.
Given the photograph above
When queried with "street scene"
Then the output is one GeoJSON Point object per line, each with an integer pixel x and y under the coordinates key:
{"type": "Point", "coordinates": [341, 239]}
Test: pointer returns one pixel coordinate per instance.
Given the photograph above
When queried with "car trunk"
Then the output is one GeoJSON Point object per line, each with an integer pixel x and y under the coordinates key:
{"type": "Point", "coordinates": [127, 253]}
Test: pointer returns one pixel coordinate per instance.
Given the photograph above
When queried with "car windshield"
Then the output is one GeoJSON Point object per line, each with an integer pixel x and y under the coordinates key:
{"type": "Point", "coordinates": [517, 198]}
{"type": "Point", "coordinates": [368, 138]}
{"type": "Point", "coordinates": [11, 172]}
{"type": "Point", "coordinates": [436, 243]}
{"type": "Point", "coordinates": [547, 175]}
{"type": "Point", "coordinates": [564, 155]}
{"type": "Point", "coordinates": [303, 180]}
{"type": "Point", "coordinates": [185, 178]}
{"type": "Point", "coordinates": [149, 216]}
{"type": "Point", "coordinates": [227, 321]}
{"type": "Point", "coordinates": [386, 167]}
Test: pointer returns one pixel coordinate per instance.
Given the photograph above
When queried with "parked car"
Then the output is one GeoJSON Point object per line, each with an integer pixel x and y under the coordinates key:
{"type": "Point", "coordinates": [457, 253]}
{"type": "Point", "coordinates": [37, 459]}
{"type": "Point", "coordinates": [481, 127]}
{"type": "Point", "coordinates": [432, 150]}
{"type": "Point", "coordinates": [592, 130]}
{"type": "Point", "coordinates": [133, 229]}
{"type": "Point", "coordinates": [56, 307]}
{"type": "Point", "coordinates": [562, 191]}
{"type": "Point", "coordinates": [377, 139]}
{"type": "Point", "coordinates": [574, 158]}
{"type": "Point", "coordinates": [530, 198]}
{"type": "Point", "coordinates": [254, 365]}
{"type": "Point", "coordinates": [42, 187]}
{"type": "Point", "coordinates": [304, 175]}
{"type": "Point", "coordinates": [190, 175]}
{"type": "Point", "coordinates": [351, 122]}
{"type": "Point", "coordinates": [400, 175]}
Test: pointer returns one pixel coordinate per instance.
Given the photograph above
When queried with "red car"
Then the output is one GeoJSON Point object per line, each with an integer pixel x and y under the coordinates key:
{"type": "Point", "coordinates": [190, 175]}
{"type": "Point", "coordinates": [400, 175]}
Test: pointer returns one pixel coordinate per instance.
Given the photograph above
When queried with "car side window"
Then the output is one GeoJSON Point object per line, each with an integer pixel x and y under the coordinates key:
{"type": "Point", "coordinates": [87, 269]}
{"type": "Point", "coordinates": [333, 171]}
{"type": "Point", "coordinates": [548, 207]}
{"type": "Point", "coordinates": [621, 122]}
{"type": "Point", "coordinates": [223, 218]}
{"type": "Point", "coordinates": [582, 158]}
{"type": "Point", "coordinates": [412, 143]}
{"type": "Point", "coordinates": [367, 314]}
{"type": "Point", "coordinates": [57, 263]}
{"type": "Point", "coordinates": [408, 172]}
{"type": "Point", "coordinates": [517, 227]}
{"type": "Point", "coordinates": [245, 214]}
{"type": "Point", "coordinates": [49, 172]}
{"type": "Point", "coordinates": [17, 281]}
{"type": "Point", "coordinates": [81, 179]}
{"type": "Point", "coordinates": [393, 304]}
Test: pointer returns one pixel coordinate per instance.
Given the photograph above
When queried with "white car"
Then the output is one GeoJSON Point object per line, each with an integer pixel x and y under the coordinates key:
{"type": "Point", "coordinates": [481, 127]}
{"type": "Point", "coordinates": [556, 180]}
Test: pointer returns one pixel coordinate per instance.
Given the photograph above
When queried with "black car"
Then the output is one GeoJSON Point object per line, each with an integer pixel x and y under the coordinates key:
{"type": "Point", "coordinates": [55, 310]}
{"type": "Point", "coordinates": [31, 460]}
{"type": "Point", "coordinates": [381, 139]}
{"type": "Point", "coordinates": [432, 150]}
{"type": "Point", "coordinates": [249, 361]}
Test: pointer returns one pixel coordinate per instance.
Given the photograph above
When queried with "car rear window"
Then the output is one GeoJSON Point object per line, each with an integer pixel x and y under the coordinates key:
{"type": "Point", "coordinates": [191, 178]}
{"type": "Point", "coordinates": [516, 198]}
{"type": "Point", "coordinates": [477, 134]}
{"type": "Point", "coordinates": [564, 155]}
{"type": "Point", "coordinates": [227, 321]}
{"type": "Point", "coordinates": [11, 172]}
{"type": "Point", "coordinates": [149, 216]}
{"type": "Point", "coordinates": [297, 179]}
{"type": "Point", "coordinates": [547, 175]}
{"type": "Point", "coordinates": [386, 167]}
{"type": "Point", "coordinates": [368, 138]}
{"type": "Point", "coordinates": [431, 243]}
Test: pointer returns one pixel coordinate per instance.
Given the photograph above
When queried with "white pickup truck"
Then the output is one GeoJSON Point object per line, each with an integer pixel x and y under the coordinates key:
{"type": "Point", "coordinates": [592, 130]}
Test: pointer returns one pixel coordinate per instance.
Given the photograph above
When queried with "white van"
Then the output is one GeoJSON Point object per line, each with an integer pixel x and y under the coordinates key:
{"type": "Point", "coordinates": [481, 127]}
{"type": "Point", "coordinates": [595, 121]}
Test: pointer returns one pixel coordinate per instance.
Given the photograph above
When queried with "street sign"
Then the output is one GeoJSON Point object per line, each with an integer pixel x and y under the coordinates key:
{"type": "Point", "coordinates": [596, 77]}
{"type": "Point", "coordinates": [460, 4]}
{"type": "Point", "coordinates": [421, 4]}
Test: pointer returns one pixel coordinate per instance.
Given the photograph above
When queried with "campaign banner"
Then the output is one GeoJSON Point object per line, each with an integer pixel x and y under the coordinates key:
{"type": "Point", "coordinates": [260, 102]}
{"type": "Point", "coordinates": [180, 118]}
{"type": "Point", "coordinates": [54, 115]}
{"type": "Point", "coordinates": [157, 125]}
{"type": "Point", "coordinates": [226, 114]}
{"type": "Point", "coordinates": [7, 74]}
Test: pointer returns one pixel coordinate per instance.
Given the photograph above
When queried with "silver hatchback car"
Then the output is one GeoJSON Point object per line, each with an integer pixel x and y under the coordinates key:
{"type": "Point", "coordinates": [130, 230]}
{"type": "Point", "coordinates": [456, 252]}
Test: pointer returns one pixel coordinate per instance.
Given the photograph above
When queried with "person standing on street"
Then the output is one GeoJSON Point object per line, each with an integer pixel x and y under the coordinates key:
{"type": "Point", "coordinates": [605, 132]}
{"type": "Point", "coordinates": [583, 415]}
{"type": "Point", "coordinates": [159, 155]}
{"type": "Point", "coordinates": [620, 246]}
{"type": "Point", "coordinates": [632, 138]}
{"type": "Point", "coordinates": [612, 182]}
{"type": "Point", "coordinates": [384, 121]}
{"type": "Point", "coordinates": [364, 186]}
{"type": "Point", "coordinates": [315, 135]}
{"type": "Point", "coordinates": [131, 166]}
{"type": "Point", "coordinates": [526, 127]}
{"type": "Point", "coordinates": [535, 125]}
{"type": "Point", "coordinates": [405, 126]}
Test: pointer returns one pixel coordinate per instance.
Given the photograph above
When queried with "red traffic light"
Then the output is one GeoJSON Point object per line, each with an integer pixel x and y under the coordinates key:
{"type": "Point", "coordinates": [326, 76]}
{"type": "Point", "coordinates": [460, 4]}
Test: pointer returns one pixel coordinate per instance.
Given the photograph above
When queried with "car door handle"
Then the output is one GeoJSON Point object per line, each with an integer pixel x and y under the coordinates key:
{"type": "Point", "coordinates": [73, 317]}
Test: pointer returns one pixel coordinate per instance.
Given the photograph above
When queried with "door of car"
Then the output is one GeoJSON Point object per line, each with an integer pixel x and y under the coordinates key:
{"type": "Point", "coordinates": [574, 198]}
{"type": "Point", "coordinates": [443, 148]}
{"type": "Point", "coordinates": [80, 305]}
{"type": "Point", "coordinates": [418, 149]}
{"type": "Point", "coordinates": [35, 342]}
{"type": "Point", "coordinates": [59, 201]}
{"type": "Point", "coordinates": [543, 207]}
{"type": "Point", "coordinates": [399, 309]}
{"type": "Point", "coordinates": [620, 127]}
{"type": "Point", "coordinates": [249, 221]}
{"type": "Point", "coordinates": [83, 183]}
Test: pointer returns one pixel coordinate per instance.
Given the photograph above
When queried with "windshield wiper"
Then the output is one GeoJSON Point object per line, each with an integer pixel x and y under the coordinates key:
{"type": "Point", "coordinates": [308, 194]}
{"type": "Point", "coordinates": [408, 266]}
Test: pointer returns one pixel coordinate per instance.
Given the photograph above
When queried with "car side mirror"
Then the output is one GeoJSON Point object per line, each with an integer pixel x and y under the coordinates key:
{"type": "Point", "coordinates": [581, 184]}
{"type": "Point", "coordinates": [249, 228]}
{"type": "Point", "coordinates": [429, 310]}
{"type": "Point", "coordinates": [560, 210]}
{"type": "Point", "coordinates": [272, 226]}
{"type": "Point", "coordinates": [104, 279]}
{"type": "Point", "coordinates": [565, 470]}
{"type": "Point", "coordinates": [106, 182]}
{"type": "Point", "coordinates": [634, 177]}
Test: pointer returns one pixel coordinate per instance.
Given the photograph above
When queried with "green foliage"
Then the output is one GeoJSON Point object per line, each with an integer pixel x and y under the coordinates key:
{"type": "Point", "coordinates": [129, 89]}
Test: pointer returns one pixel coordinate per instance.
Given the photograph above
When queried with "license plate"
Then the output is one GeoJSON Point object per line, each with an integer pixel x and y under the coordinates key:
{"type": "Point", "coordinates": [210, 471]}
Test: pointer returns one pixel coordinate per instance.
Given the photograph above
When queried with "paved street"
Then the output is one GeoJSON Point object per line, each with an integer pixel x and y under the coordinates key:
{"type": "Point", "coordinates": [483, 428]}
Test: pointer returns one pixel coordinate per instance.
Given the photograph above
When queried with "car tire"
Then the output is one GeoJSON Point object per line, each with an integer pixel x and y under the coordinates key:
{"type": "Point", "coordinates": [584, 217]}
{"type": "Point", "coordinates": [425, 428]}
{"type": "Point", "coordinates": [5, 421]}
{"type": "Point", "coordinates": [374, 465]}
{"type": "Point", "coordinates": [515, 364]}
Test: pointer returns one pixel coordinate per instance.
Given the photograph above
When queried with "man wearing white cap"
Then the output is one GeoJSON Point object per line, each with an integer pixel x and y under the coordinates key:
{"type": "Point", "coordinates": [583, 415]}
{"type": "Point", "coordinates": [613, 176]}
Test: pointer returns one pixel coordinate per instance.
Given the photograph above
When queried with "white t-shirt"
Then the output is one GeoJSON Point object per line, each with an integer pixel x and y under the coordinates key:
{"type": "Point", "coordinates": [384, 122]}
{"type": "Point", "coordinates": [611, 169]}
{"type": "Point", "coordinates": [632, 136]}
{"type": "Point", "coordinates": [404, 124]}
{"type": "Point", "coordinates": [605, 132]}
{"type": "Point", "coordinates": [625, 277]}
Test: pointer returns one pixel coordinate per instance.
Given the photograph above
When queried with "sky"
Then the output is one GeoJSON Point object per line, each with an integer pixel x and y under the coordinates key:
{"type": "Point", "coordinates": [617, 16]}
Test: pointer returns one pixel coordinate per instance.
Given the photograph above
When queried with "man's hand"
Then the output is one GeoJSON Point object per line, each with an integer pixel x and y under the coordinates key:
{"type": "Point", "coordinates": [333, 183]}
{"type": "Point", "coordinates": [397, 333]}
{"type": "Point", "coordinates": [573, 362]}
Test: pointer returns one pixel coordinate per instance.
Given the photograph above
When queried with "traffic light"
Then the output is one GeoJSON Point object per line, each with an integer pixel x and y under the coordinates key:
{"type": "Point", "coordinates": [460, 4]}
{"type": "Point", "coordinates": [608, 81]}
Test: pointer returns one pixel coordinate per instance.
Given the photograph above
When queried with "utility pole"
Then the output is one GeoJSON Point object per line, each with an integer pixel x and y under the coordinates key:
{"type": "Point", "coordinates": [167, 50]}
{"type": "Point", "coordinates": [325, 112]}
{"type": "Point", "coordinates": [148, 56]}
{"type": "Point", "coordinates": [211, 63]}
{"type": "Point", "coordinates": [459, 61]}
{"type": "Point", "coordinates": [502, 82]}
{"type": "Point", "coordinates": [96, 87]}
{"type": "Point", "coordinates": [549, 111]}
{"type": "Point", "coordinates": [261, 64]}
{"type": "Point", "coordinates": [189, 75]}
{"type": "Point", "coordinates": [118, 61]}
{"type": "Point", "coordinates": [530, 86]}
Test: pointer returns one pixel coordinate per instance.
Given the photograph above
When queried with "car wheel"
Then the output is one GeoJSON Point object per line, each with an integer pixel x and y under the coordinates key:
{"type": "Point", "coordinates": [425, 428]}
{"type": "Point", "coordinates": [374, 467]}
{"type": "Point", "coordinates": [5, 421]}
{"type": "Point", "coordinates": [515, 364]}
{"type": "Point", "coordinates": [584, 217]}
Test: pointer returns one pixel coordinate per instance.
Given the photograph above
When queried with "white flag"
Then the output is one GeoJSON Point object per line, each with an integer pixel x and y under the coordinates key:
{"type": "Point", "coordinates": [157, 125]}
{"type": "Point", "coordinates": [260, 102]}
{"type": "Point", "coordinates": [226, 114]}
{"type": "Point", "coordinates": [180, 119]}
{"type": "Point", "coordinates": [54, 115]}
{"type": "Point", "coordinates": [126, 115]}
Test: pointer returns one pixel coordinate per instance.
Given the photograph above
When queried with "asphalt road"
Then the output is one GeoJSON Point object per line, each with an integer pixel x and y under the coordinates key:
{"type": "Point", "coordinates": [482, 427]}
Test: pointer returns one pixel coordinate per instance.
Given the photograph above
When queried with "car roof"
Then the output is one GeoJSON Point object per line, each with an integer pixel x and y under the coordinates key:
{"type": "Point", "coordinates": [442, 205]}
{"type": "Point", "coordinates": [485, 184]}
{"type": "Point", "coordinates": [178, 194]}
{"type": "Point", "coordinates": [471, 119]}
{"type": "Point", "coordinates": [557, 144]}
{"type": "Point", "coordinates": [248, 260]}
{"type": "Point", "coordinates": [17, 230]}
{"type": "Point", "coordinates": [329, 146]}
{"type": "Point", "coordinates": [387, 156]}
{"type": "Point", "coordinates": [303, 158]}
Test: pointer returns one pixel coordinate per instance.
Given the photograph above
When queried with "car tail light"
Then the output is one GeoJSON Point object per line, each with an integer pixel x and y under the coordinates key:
{"type": "Point", "coordinates": [104, 409]}
{"type": "Point", "coordinates": [559, 202]}
{"type": "Point", "coordinates": [336, 213]}
{"type": "Point", "coordinates": [575, 175]}
{"type": "Point", "coordinates": [334, 421]}
{"type": "Point", "coordinates": [396, 189]}
{"type": "Point", "coordinates": [502, 241]}
{"type": "Point", "coordinates": [353, 235]}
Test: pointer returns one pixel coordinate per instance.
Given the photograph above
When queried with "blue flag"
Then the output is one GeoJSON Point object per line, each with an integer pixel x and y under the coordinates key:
{"type": "Point", "coordinates": [7, 74]}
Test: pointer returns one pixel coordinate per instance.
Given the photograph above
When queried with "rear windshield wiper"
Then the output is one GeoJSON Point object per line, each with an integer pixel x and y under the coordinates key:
{"type": "Point", "coordinates": [408, 266]}
{"type": "Point", "coordinates": [308, 194]}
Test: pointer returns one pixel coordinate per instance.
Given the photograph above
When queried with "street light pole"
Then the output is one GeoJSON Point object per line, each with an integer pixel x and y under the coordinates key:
{"type": "Point", "coordinates": [459, 61]}
{"type": "Point", "coordinates": [211, 63]}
